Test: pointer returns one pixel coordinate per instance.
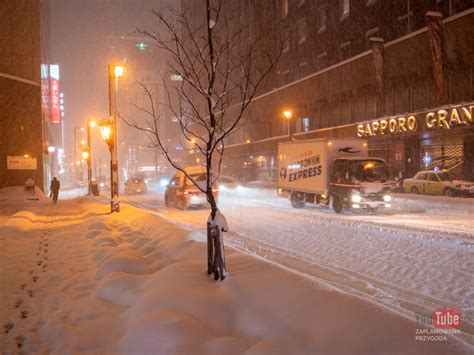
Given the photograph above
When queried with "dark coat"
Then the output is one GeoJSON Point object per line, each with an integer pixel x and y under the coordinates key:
{"type": "Point", "coordinates": [55, 185]}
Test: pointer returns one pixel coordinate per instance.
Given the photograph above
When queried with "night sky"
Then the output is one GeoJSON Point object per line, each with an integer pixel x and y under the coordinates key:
{"type": "Point", "coordinates": [83, 40]}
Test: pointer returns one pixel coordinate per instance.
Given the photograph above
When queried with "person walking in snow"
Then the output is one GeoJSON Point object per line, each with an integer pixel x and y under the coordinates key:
{"type": "Point", "coordinates": [55, 185]}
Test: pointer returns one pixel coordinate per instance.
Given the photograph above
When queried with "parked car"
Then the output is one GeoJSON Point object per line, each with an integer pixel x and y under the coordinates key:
{"type": "Point", "coordinates": [182, 193]}
{"type": "Point", "coordinates": [135, 186]}
{"type": "Point", "coordinates": [431, 183]}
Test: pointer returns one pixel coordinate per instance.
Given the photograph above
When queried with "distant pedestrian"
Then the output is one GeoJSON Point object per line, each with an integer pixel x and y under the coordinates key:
{"type": "Point", "coordinates": [55, 185]}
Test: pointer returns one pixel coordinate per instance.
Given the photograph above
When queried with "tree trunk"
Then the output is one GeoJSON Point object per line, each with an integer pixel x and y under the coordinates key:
{"type": "Point", "coordinates": [215, 250]}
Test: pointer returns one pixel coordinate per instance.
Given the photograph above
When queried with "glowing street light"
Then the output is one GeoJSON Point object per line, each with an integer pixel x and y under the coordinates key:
{"type": "Point", "coordinates": [86, 155]}
{"type": "Point", "coordinates": [105, 128]}
{"type": "Point", "coordinates": [288, 115]}
{"type": "Point", "coordinates": [119, 71]}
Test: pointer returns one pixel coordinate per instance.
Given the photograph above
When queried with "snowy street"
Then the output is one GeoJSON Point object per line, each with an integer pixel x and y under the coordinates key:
{"type": "Point", "coordinates": [78, 279]}
{"type": "Point", "coordinates": [416, 258]}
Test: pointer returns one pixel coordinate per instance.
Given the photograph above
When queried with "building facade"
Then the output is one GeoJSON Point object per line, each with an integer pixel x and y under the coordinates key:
{"type": "Point", "coordinates": [21, 122]}
{"type": "Point", "coordinates": [336, 85]}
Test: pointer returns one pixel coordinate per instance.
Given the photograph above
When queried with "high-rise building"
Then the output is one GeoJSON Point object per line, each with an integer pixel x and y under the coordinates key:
{"type": "Point", "coordinates": [21, 126]}
{"type": "Point", "coordinates": [398, 74]}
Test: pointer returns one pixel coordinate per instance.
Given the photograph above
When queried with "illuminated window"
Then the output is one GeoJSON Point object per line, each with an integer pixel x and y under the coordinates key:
{"type": "Point", "coordinates": [345, 50]}
{"type": "Point", "coordinates": [284, 8]}
{"type": "Point", "coordinates": [302, 30]}
{"type": "Point", "coordinates": [322, 18]}
{"type": "Point", "coordinates": [322, 60]}
{"type": "Point", "coordinates": [286, 40]}
{"type": "Point", "coordinates": [305, 124]}
{"type": "Point", "coordinates": [345, 7]}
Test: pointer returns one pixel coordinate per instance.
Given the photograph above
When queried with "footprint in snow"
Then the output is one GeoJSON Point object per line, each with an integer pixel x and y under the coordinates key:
{"type": "Point", "coordinates": [8, 326]}
{"type": "Point", "coordinates": [18, 303]}
{"type": "Point", "coordinates": [20, 341]}
{"type": "Point", "coordinates": [24, 314]}
{"type": "Point", "coordinates": [35, 278]}
{"type": "Point", "coordinates": [30, 293]}
{"type": "Point", "coordinates": [40, 262]}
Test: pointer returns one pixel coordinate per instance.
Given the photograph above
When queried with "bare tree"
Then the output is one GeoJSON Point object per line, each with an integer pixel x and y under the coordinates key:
{"type": "Point", "coordinates": [220, 69]}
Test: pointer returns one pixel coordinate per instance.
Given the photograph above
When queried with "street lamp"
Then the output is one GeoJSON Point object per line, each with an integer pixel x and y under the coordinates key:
{"type": "Point", "coordinates": [115, 72]}
{"type": "Point", "coordinates": [90, 124]}
{"type": "Point", "coordinates": [86, 154]}
{"type": "Point", "coordinates": [106, 128]}
{"type": "Point", "coordinates": [78, 172]}
{"type": "Point", "coordinates": [288, 115]}
{"type": "Point", "coordinates": [119, 71]}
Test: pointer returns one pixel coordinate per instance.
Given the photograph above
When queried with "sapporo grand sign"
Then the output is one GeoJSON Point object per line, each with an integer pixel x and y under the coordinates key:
{"type": "Point", "coordinates": [442, 119]}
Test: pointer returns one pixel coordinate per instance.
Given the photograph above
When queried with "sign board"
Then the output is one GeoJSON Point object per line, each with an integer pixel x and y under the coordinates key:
{"type": "Point", "coordinates": [54, 92]}
{"type": "Point", "coordinates": [448, 118]}
{"type": "Point", "coordinates": [21, 163]}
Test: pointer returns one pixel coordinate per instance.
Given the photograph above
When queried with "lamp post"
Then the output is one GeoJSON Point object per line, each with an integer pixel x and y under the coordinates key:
{"type": "Point", "coordinates": [106, 131]}
{"type": "Point", "coordinates": [90, 124]}
{"type": "Point", "coordinates": [77, 170]}
{"type": "Point", "coordinates": [115, 72]}
{"type": "Point", "coordinates": [288, 115]}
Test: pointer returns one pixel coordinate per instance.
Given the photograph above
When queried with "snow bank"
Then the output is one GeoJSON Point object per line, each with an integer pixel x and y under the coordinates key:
{"type": "Point", "coordinates": [133, 283]}
{"type": "Point", "coordinates": [16, 194]}
{"type": "Point", "coordinates": [259, 309]}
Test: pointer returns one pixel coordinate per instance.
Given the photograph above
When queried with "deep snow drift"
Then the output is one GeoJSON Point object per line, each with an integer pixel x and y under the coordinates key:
{"type": "Point", "coordinates": [417, 257]}
{"type": "Point", "coordinates": [77, 279]}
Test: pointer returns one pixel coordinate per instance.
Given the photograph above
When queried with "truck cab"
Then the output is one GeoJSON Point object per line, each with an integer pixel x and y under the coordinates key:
{"type": "Point", "coordinates": [359, 182]}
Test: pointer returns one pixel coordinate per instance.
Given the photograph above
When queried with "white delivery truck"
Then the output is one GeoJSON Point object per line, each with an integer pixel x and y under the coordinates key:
{"type": "Point", "coordinates": [337, 173]}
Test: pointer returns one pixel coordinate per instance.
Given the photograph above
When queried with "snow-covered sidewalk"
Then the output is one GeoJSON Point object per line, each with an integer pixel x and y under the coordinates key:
{"type": "Point", "coordinates": [77, 279]}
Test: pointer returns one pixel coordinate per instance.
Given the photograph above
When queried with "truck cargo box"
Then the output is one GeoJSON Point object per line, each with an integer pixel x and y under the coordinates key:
{"type": "Point", "coordinates": [305, 165]}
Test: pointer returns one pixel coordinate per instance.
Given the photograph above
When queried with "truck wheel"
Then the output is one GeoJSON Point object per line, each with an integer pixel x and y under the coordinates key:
{"type": "Point", "coordinates": [336, 204]}
{"type": "Point", "coordinates": [448, 192]}
{"type": "Point", "coordinates": [414, 190]}
{"type": "Point", "coordinates": [296, 201]}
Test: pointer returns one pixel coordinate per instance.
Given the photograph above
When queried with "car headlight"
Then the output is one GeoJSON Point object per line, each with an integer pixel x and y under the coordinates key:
{"type": "Point", "coordinates": [387, 198]}
{"type": "Point", "coordinates": [356, 198]}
